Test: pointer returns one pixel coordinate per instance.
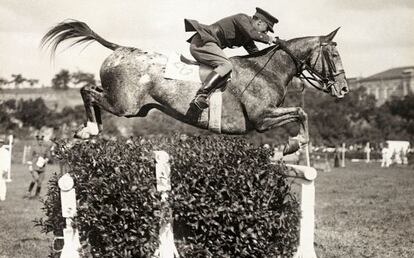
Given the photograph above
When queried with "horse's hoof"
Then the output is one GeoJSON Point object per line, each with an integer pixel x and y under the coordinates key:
{"type": "Point", "coordinates": [292, 147]}
{"type": "Point", "coordinates": [90, 130]}
{"type": "Point", "coordinates": [82, 135]}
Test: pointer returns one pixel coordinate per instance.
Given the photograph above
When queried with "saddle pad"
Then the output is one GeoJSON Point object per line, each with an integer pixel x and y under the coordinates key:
{"type": "Point", "coordinates": [177, 70]}
{"type": "Point", "coordinates": [214, 114]}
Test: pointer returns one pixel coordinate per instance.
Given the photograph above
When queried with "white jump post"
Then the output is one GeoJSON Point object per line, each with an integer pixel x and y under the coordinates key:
{"type": "Point", "coordinates": [167, 248]}
{"type": "Point", "coordinates": [368, 152]}
{"type": "Point", "coordinates": [343, 155]}
{"type": "Point", "coordinates": [24, 155]}
{"type": "Point", "coordinates": [10, 161]}
{"type": "Point", "coordinates": [305, 176]}
{"type": "Point", "coordinates": [4, 169]}
{"type": "Point", "coordinates": [70, 234]}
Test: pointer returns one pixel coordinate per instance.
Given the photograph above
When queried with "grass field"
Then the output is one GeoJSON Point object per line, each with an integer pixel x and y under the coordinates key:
{"type": "Point", "coordinates": [361, 211]}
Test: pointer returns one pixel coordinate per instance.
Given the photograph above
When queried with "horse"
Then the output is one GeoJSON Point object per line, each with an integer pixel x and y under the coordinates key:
{"type": "Point", "coordinates": [132, 84]}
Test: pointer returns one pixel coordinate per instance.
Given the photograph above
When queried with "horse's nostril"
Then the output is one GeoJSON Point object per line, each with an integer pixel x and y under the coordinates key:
{"type": "Point", "coordinates": [344, 90]}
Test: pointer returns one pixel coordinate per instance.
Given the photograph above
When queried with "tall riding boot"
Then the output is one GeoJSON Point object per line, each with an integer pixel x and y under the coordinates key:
{"type": "Point", "coordinates": [210, 83]}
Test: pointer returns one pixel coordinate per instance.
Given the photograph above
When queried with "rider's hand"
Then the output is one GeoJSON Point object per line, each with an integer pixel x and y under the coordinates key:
{"type": "Point", "coordinates": [279, 41]}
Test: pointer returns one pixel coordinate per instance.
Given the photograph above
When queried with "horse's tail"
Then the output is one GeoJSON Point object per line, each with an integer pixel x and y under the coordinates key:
{"type": "Point", "coordinates": [71, 29]}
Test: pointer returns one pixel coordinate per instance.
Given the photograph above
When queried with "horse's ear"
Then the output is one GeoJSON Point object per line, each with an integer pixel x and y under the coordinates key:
{"type": "Point", "coordinates": [330, 36]}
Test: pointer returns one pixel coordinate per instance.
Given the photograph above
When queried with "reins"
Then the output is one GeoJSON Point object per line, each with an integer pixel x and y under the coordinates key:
{"type": "Point", "coordinates": [324, 80]}
{"type": "Point", "coordinates": [261, 69]}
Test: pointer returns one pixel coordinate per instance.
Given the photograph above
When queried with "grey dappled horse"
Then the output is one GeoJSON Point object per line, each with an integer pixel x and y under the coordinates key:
{"type": "Point", "coordinates": [133, 84]}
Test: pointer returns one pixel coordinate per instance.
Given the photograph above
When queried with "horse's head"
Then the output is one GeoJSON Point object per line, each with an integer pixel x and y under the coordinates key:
{"type": "Point", "coordinates": [326, 68]}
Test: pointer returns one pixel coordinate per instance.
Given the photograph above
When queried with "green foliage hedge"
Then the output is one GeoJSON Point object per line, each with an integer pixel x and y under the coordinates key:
{"type": "Point", "coordinates": [227, 199]}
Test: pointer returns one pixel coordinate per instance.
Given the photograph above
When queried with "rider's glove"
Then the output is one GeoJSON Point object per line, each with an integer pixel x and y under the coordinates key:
{"type": "Point", "coordinates": [279, 41]}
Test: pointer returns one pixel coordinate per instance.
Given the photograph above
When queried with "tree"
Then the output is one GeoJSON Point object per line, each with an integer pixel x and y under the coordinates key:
{"type": "Point", "coordinates": [32, 82]}
{"type": "Point", "coordinates": [17, 80]}
{"type": "Point", "coordinates": [3, 81]}
{"type": "Point", "coordinates": [87, 79]}
{"type": "Point", "coordinates": [33, 113]}
{"type": "Point", "coordinates": [61, 80]}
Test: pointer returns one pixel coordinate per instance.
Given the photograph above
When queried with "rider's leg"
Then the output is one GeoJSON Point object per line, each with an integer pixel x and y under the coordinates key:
{"type": "Point", "coordinates": [210, 83]}
{"type": "Point", "coordinates": [212, 55]}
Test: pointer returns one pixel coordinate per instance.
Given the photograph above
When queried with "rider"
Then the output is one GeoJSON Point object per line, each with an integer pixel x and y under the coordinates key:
{"type": "Point", "coordinates": [208, 43]}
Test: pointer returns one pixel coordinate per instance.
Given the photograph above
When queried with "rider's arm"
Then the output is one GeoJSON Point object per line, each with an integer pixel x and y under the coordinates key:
{"type": "Point", "coordinates": [244, 24]}
{"type": "Point", "coordinates": [251, 47]}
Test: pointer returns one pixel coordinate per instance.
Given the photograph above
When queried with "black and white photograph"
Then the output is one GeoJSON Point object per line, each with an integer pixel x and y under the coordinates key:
{"type": "Point", "coordinates": [207, 129]}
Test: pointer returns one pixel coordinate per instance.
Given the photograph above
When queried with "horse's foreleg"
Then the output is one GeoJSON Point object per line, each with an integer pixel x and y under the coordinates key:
{"type": "Point", "coordinates": [280, 116]}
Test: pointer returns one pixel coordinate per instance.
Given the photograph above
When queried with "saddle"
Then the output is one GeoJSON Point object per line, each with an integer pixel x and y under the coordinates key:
{"type": "Point", "coordinates": [180, 67]}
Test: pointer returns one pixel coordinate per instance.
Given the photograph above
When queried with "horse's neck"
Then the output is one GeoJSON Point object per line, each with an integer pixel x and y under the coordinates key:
{"type": "Point", "coordinates": [302, 47]}
{"type": "Point", "coordinates": [284, 65]}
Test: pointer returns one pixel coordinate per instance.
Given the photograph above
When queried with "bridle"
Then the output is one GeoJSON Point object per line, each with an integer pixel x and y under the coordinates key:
{"type": "Point", "coordinates": [325, 79]}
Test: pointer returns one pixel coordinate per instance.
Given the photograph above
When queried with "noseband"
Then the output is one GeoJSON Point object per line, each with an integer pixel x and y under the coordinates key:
{"type": "Point", "coordinates": [325, 79]}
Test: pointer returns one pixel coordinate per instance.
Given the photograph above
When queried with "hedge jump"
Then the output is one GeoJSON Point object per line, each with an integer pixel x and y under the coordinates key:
{"type": "Point", "coordinates": [302, 175]}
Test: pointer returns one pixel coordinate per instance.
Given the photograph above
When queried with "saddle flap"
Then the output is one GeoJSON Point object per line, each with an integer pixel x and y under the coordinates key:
{"type": "Point", "coordinates": [178, 70]}
{"type": "Point", "coordinates": [180, 67]}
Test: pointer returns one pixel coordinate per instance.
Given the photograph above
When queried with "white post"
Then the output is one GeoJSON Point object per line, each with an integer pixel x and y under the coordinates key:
{"type": "Point", "coordinates": [167, 248]}
{"type": "Point", "coordinates": [70, 235]}
{"type": "Point", "coordinates": [343, 155]}
{"type": "Point", "coordinates": [305, 177]}
{"type": "Point", "coordinates": [24, 155]}
{"type": "Point", "coordinates": [11, 154]}
{"type": "Point", "coordinates": [368, 151]}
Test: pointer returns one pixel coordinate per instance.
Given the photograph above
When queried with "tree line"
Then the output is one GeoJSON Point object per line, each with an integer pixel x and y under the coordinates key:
{"type": "Point", "coordinates": [61, 81]}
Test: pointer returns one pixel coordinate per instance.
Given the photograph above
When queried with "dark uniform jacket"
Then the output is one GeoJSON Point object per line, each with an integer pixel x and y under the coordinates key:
{"type": "Point", "coordinates": [232, 31]}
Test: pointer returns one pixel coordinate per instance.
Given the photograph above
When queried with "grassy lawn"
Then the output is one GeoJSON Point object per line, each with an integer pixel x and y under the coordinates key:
{"type": "Point", "coordinates": [364, 210]}
{"type": "Point", "coordinates": [19, 237]}
{"type": "Point", "coordinates": [361, 211]}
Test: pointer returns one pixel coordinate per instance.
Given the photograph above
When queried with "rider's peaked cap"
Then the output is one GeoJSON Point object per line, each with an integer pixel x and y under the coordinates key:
{"type": "Point", "coordinates": [269, 19]}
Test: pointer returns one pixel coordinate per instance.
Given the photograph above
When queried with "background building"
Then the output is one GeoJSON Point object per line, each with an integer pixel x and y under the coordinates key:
{"type": "Point", "coordinates": [395, 82]}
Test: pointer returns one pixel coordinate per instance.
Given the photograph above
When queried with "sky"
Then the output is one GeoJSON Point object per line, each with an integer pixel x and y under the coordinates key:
{"type": "Point", "coordinates": [375, 35]}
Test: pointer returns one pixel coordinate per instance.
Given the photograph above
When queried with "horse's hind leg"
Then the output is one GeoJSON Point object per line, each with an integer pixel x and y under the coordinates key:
{"type": "Point", "coordinates": [94, 99]}
{"type": "Point", "coordinates": [91, 128]}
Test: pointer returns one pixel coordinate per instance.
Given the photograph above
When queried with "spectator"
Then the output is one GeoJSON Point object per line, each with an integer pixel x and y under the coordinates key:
{"type": "Point", "coordinates": [37, 167]}
{"type": "Point", "coordinates": [337, 157]}
{"type": "Point", "coordinates": [386, 156]}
